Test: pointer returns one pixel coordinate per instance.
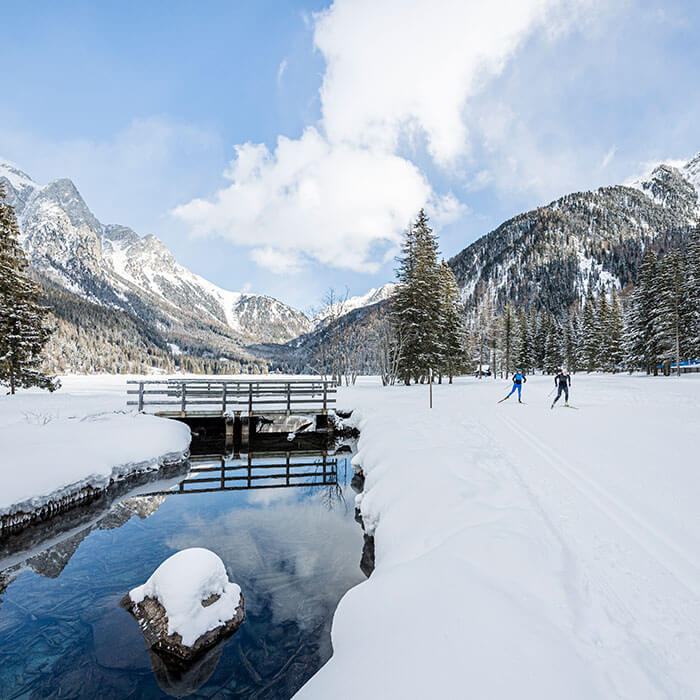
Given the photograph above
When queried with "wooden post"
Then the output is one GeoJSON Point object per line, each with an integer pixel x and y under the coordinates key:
{"type": "Point", "coordinates": [325, 395]}
{"type": "Point", "coordinates": [430, 382]}
{"type": "Point", "coordinates": [140, 397]}
{"type": "Point", "coordinates": [287, 468]}
{"type": "Point", "coordinates": [223, 406]}
{"type": "Point", "coordinates": [289, 397]}
{"type": "Point", "coordinates": [183, 397]}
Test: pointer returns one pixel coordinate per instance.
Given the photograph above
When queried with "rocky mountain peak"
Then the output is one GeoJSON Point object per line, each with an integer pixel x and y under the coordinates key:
{"type": "Point", "coordinates": [120, 234]}
{"type": "Point", "coordinates": [691, 171]}
{"type": "Point", "coordinates": [19, 187]}
{"type": "Point", "coordinates": [66, 196]}
{"type": "Point", "coordinates": [667, 186]}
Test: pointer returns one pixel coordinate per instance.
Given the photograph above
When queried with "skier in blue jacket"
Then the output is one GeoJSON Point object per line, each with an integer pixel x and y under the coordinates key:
{"type": "Point", "coordinates": [519, 379]}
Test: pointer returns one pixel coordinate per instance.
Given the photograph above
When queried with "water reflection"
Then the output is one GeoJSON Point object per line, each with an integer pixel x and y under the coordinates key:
{"type": "Point", "coordinates": [294, 551]}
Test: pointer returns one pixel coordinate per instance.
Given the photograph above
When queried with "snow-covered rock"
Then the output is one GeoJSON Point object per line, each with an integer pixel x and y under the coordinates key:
{"type": "Point", "coordinates": [187, 605]}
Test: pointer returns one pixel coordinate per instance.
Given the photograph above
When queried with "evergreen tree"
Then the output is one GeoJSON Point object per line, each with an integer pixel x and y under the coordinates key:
{"type": "Point", "coordinates": [588, 346]}
{"type": "Point", "coordinates": [416, 302]}
{"type": "Point", "coordinates": [553, 347]}
{"type": "Point", "coordinates": [693, 287]}
{"type": "Point", "coordinates": [23, 330]}
{"type": "Point", "coordinates": [539, 344]}
{"type": "Point", "coordinates": [451, 332]}
{"type": "Point", "coordinates": [672, 322]}
{"type": "Point", "coordinates": [508, 332]}
{"type": "Point", "coordinates": [602, 312]}
{"type": "Point", "coordinates": [571, 340]}
{"type": "Point", "coordinates": [640, 339]}
{"type": "Point", "coordinates": [615, 335]}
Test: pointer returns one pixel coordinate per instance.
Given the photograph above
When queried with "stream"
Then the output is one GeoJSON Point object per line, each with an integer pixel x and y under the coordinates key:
{"type": "Point", "coordinates": [290, 542]}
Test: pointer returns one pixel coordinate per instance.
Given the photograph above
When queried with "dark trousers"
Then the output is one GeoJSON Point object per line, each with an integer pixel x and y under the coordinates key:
{"type": "Point", "coordinates": [565, 389]}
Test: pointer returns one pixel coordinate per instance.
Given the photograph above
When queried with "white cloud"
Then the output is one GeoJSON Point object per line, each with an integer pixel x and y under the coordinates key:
{"type": "Point", "coordinates": [278, 261]}
{"type": "Point", "coordinates": [395, 68]}
{"type": "Point", "coordinates": [398, 75]}
{"type": "Point", "coordinates": [281, 70]}
{"type": "Point", "coordinates": [608, 157]}
{"type": "Point", "coordinates": [339, 204]}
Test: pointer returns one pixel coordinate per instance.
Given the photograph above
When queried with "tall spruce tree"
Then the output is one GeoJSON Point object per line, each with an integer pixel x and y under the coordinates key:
{"type": "Point", "coordinates": [508, 332]}
{"type": "Point", "coordinates": [640, 340]}
{"type": "Point", "coordinates": [672, 322]}
{"type": "Point", "coordinates": [693, 285]}
{"type": "Point", "coordinates": [615, 335]}
{"type": "Point", "coordinates": [553, 358]}
{"type": "Point", "coordinates": [602, 312]}
{"type": "Point", "coordinates": [589, 344]}
{"type": "Point", "coordinates": [571, 340]}
{"type": "Point", "coordinates": [451, 332]}
{"type": "Point", "coordinates": [23, 328]}
{"type": "Point", "coordinates": [416, 302]}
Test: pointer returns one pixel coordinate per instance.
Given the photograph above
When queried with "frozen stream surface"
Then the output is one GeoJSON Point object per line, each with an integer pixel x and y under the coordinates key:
{"type": "Point", "coordinates": [294, 552]}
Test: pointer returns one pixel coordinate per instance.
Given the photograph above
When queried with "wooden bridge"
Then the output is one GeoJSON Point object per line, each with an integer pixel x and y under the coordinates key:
{"type": "Point", "coordinates": [207, 397]}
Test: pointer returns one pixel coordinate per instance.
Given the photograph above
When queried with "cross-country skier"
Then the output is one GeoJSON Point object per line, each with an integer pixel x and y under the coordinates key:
{"type": "Point", "coordinates": [562, 382]}
{"type": "Point", "coordinates": [519, 379]}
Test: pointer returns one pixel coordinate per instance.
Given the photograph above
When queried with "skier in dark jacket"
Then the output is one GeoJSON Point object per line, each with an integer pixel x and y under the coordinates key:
{"type": "Point", "coordinates": [519, 379]}
{"type": "Point", "coordinates": [562, 382]}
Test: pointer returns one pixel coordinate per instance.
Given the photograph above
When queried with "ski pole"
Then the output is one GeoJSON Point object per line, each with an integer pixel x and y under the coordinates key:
{"type": "Point", "coordinates": [551, 392]}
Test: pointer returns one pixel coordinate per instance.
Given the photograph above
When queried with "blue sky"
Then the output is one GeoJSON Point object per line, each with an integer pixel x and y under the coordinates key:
{"type": "Point", "coordinates": [280, 150]}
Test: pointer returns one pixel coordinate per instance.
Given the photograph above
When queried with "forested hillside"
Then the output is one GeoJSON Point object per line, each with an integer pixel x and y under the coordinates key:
{"type": "Point", "coordinates": [549, 258]}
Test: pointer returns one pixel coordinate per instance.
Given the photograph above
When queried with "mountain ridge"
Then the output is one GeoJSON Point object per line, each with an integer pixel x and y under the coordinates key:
{"type": "Point", "coordinates": [114, 266]}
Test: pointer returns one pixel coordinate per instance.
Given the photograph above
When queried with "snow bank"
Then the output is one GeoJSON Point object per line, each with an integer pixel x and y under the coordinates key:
{"type": "Point", "coordinates": [181, 583]}
{"type": "Point", "coordinates": [56, 445]}
{"type": "Point", "coordinates": [524, 552]}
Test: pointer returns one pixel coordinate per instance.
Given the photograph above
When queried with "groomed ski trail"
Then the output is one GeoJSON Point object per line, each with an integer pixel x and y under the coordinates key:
{"type": "Point", "coordinates": [683, 566]}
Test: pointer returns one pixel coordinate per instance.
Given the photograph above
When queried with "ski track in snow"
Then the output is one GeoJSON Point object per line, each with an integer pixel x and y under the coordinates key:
{"type": "Point", "coordinates": [554, 552]}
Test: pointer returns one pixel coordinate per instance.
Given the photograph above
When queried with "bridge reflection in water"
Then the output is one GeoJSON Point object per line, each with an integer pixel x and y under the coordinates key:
{"type": "Point", "coordinates": [265, 470]}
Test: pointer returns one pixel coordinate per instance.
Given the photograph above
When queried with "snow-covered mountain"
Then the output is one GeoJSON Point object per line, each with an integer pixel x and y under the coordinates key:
{"type": "Point", "coordinates": [345, 306]}
{"type": "Point", "coordinates": [551, 256]}
{"type": "Point", "coordinates": [113, 266]}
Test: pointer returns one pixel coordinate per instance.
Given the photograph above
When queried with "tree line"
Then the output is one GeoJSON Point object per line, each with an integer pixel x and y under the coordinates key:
{"type": "Point", "coordinates": [654, 325]}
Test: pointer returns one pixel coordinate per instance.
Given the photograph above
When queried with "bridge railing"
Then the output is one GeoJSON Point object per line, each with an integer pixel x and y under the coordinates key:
{"type": "Point", "coordinates": [205, 395]}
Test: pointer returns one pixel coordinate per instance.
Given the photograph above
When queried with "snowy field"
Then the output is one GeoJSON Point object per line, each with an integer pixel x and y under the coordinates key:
{"type": "Point", "coordinates": [523, 552]}
{"type": "Point", "coordinates": [54, 444]}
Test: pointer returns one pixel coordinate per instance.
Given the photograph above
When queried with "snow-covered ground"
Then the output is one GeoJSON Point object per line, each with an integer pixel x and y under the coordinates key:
{"type": "Point", "coordinates": [523, 552]}
{"type": "Point", "coordinates": [55, 444]}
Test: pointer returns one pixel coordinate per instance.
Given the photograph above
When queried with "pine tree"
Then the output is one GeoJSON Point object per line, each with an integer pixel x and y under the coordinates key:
{"type": "Point", "coordinates": [640, 339]}
{"type": "Point", "coordinates": [523, 358]}
{"type": "Point", "coordinates": [615, 335]}
{"type": "Point", "coordinates": [572, 339]}
{"type": "Point", "coordinates": [508, 337]}
{"type": "Point", "coordinates": [451, 332]}
{"type": "Point", "coordinates": [693, 287]}
{"type": "Point", "coordinates": [23, 330]}
{"type": "Point", "coordinates": [588, 346]}
{"type": "Point", "coordinates": [416, 303]}
{"type": "Point", "coordinates": [552, 353]}
{"type": "Point", "coordinates": [539, 344]}
{"type": "Point", "coordinates": [672, 322]}
{"type": "Point", "coordinates": [602, 312]}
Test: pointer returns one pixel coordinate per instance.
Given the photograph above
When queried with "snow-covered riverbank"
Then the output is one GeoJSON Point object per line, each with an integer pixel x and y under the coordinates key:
{"type": "Point", "coordinates": [56, 445]}
{"type": "Point", "coordinates": [524, 552]}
